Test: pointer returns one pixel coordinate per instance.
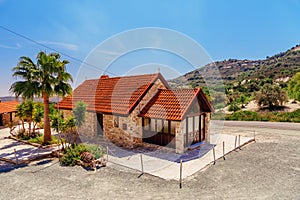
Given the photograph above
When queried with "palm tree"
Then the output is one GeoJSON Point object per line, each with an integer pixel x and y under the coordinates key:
{"type": "Point", "coordinates": [45, 78]}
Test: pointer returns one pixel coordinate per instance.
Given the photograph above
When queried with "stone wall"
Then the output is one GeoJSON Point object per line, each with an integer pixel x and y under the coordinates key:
{"type": "Point", "coordinates": [180, 136]}
{"type": "Point", "coordinates": [207, 127]}
{"type": "Point", "coordinates": [89, 127]}
{"type": "Point", "coordinates": [123, 130]}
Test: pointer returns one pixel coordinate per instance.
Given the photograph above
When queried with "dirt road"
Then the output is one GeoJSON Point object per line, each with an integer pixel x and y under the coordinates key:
{"type": "Point", "coordinates": [267, 169]}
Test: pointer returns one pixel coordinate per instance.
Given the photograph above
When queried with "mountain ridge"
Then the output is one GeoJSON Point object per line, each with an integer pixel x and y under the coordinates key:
{"type": "Point", "coordinates": [280, 67]}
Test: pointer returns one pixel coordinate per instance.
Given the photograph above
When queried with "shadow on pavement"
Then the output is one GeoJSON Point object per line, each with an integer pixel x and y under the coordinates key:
{"type": "Point", "coordinates": [7, 167]}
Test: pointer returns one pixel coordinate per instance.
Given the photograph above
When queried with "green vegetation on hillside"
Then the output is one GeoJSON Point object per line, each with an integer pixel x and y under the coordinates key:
{"type": "Point", "coordinates": [261, 116]}
{"type": "Point", "coordinates": [266, 81]}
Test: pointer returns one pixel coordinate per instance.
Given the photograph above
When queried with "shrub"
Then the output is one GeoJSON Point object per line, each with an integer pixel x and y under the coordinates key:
{"type": "Point", "coordinates": [218, 116]}
{"type": "Point", "coordinates": [72, 154]}
{"type": "Point", "coordinates": [265, 116]}
{"type": "Point", "coordinates": [96, 150]}
{"type": "Point", "coordinates": [220, 105]}
{"type": "Point", "coordinates": [233, 107]}
{"type": "Point", "coordinates": [243, 116]}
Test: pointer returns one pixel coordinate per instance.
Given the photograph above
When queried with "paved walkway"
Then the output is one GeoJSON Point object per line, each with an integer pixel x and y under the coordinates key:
{"type": "Point", "coordinates": [18, 152]}
{"type": "Point", "coordinates": [170, 170]}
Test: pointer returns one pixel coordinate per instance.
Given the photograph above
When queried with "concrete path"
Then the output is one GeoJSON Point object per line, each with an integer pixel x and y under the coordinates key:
{"type": "Point", "coordinates": [18, 152]}
{"type": "Point", "coordinates": [170, 170]}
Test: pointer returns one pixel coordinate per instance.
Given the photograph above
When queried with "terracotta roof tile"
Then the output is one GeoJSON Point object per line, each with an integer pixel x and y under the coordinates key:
{"type": "Point", "coordinates": [173, 104]}
{"type": "Point", "coordinates": [111, 95]}
{"type": "Point", "coordinates": [10, 106]}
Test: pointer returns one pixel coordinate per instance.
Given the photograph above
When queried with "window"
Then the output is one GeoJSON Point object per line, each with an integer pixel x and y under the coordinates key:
{"type": "Point", "coordinates": [159, 125]}
{"type": "Point", "coordinates": [190, 124]}
{"type": "Point", "coordinates": [124, 126]}
{"type": "Point", "coordinates": [196, 123]}
{"type": "Point", "coordinates": [152, 125]}
{"type": "Point", "coordinates": [173, 127]}
{"type": "Point", "coordinates": [146, 124]}
{"type": "Point", "coordinates": [166, 126]}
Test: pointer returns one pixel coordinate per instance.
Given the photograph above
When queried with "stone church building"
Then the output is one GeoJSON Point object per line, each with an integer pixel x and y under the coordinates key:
{"type": "Point", "coordinates": [132, 110]}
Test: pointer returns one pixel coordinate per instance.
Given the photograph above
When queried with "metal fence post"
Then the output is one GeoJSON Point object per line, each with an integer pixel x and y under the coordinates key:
{"type": "Point", "coordinates": [235, 141]}
{"type": "Point", "coordinates": [224, 150]}
{"type": "Point", "coordinates": [180, 175]}
{"type": "Point", "coordinates": [106, 153]}
{"type": "Point", "coordinates": [142, 165]}
{"type": "Point", "coordinates": [16, 156]}
{"type": "Point", "coordinates": [214, 154]}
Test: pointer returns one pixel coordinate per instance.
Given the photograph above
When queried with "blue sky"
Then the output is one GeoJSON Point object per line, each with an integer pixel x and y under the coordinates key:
{"type": "Point", "coordinates": [225, 29]}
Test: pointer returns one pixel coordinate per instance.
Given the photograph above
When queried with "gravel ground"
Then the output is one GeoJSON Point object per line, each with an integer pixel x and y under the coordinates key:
{"type": "Point", "coordinates": [267, 169]}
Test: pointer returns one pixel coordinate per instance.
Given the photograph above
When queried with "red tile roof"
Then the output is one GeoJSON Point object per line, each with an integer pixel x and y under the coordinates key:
{"type": "Point", "coordinates": [117, 95]}
{"type": "Point", "coordinates": [7, 107]}
{"type": "Point", "coordinates": [173, 104]}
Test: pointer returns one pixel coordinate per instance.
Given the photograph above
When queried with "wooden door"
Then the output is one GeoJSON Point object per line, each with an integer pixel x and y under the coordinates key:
{"type": "Point", "coordinates": [100, 124]}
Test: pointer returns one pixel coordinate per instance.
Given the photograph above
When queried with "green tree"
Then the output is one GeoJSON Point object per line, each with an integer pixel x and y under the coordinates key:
{"type": "Point", "coordinates": [25, 113]}
{"type": "Point", "coordinates": [79, 113]}
{"type": "Point", "coordinates": [45, 78]}
{"type": "Point", "coordinates": [242, 99]}
{"type": "Point", "coordinates": [79, 116]}
{"type": "Point", "coordinates": [38, 112]}
{"type": "Point", "coordinates": [271, 96]}
{"type": "Point", "coordinates": [32, 113]}
{"type": "Point", "coordinates": [294, 87]}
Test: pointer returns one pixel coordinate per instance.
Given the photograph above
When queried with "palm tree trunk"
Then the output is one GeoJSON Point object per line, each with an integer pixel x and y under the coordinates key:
{"type": "Point", "coordinates": [23, 124]}
{"type": "Point", "coordinates": [47, 130]}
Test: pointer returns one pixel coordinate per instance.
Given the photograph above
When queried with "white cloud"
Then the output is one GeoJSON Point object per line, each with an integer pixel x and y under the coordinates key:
{"type": "Point", "coordinates": [111, 53]}
{"type": "Point", "coordinates": [17, 46]}
{"type": "Point", "coordinates": [62, 45]}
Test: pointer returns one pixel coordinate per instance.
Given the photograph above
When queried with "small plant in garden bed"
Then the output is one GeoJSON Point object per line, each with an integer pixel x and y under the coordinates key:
{"type": "Point", "coordinates": [35, 137]}
{"type": "Point", "coordinates": [72, 154]}
{"type": "Point", "coordinates": [40, 140]}
{"type": "Point", "coordinates": [25, 135]}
